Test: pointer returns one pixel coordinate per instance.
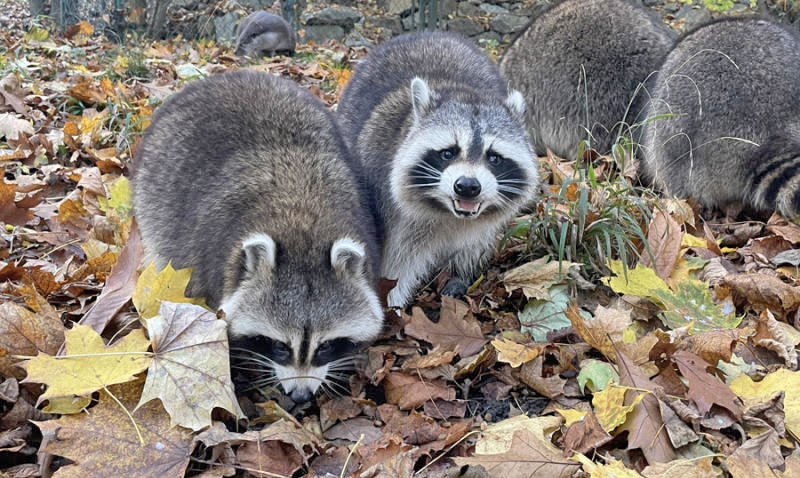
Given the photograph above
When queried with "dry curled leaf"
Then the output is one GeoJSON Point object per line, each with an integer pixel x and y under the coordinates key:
{"type": "Point", "coordinates": [456, 327]}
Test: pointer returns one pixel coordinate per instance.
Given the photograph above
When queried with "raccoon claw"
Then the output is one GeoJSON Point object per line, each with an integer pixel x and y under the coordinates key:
{"type": "Point", "coordinates": [455, 288]}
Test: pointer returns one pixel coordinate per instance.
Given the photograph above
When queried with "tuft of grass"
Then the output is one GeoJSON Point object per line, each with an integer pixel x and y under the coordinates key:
{"type": "Point", "coordinates": [592, 219]}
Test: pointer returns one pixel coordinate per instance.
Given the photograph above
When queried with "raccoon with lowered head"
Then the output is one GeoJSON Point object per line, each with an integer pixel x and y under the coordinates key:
{"type": "Point", "coordinates": [264, 34]}
{"type": "Point", "coordinates": [444, 146]}
{"type": "Point", "coordinates": [731, 93]}
{"type": "Point", "coordinates": [579, 66]}
{"type": "Point", "coordinates": [245, 177]}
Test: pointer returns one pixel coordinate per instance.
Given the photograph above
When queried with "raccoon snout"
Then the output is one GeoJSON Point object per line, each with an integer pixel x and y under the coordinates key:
{"type": "Point", "coordinates": [301, 395]}
{"type": "Point", "coordinates": [467, 187]}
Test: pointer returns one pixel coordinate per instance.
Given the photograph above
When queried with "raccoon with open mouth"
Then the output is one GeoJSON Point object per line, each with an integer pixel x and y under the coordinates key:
{"type": "Point", "coordinates": [245, 177]}
{"type": "Point", "coordinates": [444, 147]}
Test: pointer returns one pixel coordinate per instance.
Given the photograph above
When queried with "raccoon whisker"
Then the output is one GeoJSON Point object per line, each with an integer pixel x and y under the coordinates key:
{"type": "Point", "coordinates": [424, 176]}
{"type": "Point", "coordinates": [257, 363]}
{"type": "Point", "coordinates": [510, 189]}
{"type": "Point", "coordinates": [428, 167]}
{"type": "Point", "coordinates": [250, 369]}
{"type": "Point", "coordinates": [250, 355]}
{"type": "Point", "coordinates": [511, 181]}
{"type": "Point", "coordinates": [346, 359]}
{"type": "Point", "coordinates": [336, 388]}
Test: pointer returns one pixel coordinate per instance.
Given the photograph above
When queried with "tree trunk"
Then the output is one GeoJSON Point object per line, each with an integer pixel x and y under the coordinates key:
{"type": "Point", "coordinates": [38, 7]}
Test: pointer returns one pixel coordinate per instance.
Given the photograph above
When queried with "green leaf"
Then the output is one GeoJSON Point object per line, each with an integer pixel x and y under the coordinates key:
{"type": "Point", "coordinates": [691, 305]}
{"type": "Point", "coordinates": [597, 375]}
{"type": "Point", "coordinates": [542, 316]}
{"type": "Point", "coordinates": [641, 281]}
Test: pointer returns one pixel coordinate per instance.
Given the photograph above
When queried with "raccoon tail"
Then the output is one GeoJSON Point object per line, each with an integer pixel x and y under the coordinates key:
{"type": "Point", "coordinates": [776, 176]}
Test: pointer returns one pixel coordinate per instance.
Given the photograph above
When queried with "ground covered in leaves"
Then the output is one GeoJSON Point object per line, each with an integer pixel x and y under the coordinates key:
{"type": "Point", "coordinates": [566, 358]}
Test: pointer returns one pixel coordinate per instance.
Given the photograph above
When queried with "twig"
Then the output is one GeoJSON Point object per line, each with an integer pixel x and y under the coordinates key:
{"type": "Point", "coordinates": [347, 460]}
{"type": "Point", "coordinates": [447, 451]}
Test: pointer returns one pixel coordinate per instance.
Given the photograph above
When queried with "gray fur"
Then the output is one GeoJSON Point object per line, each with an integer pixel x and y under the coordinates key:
{"type": "Point", "coordinates": [579, 66]}
{"type": "Point", "coordinates": [734, 88]}
{"type": "Point", "coordinates": [458, 99]}
{"type": "Point", "coordinates": [264, 34]}
{"type": "Point", "coordinates": [235, 161]}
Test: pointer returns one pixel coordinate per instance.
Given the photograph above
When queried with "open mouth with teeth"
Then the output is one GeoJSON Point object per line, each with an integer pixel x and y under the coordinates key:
{"type": "Point", "coordinates": [466, 208]}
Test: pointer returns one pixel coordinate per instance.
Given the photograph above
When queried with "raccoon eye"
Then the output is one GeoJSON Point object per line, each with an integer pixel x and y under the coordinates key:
{"type": "Point", "coordinates": [494, 158]}
{"type": "Point", "coordinates": [274, 350]}
{"type": "Point", "coordinates": [333, 349]}
{"type": "Point", "coordinates": [447, 154]}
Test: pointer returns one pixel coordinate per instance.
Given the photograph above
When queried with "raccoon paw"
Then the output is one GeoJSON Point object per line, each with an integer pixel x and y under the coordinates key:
{"type": "Point", "coordinates": [455, 287]}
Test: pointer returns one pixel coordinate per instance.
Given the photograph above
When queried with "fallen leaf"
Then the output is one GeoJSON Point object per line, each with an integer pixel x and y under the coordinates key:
{"type": "Point", "coordinates": [540, 317]}
{"type": "Point", "coordinates": [13, 212]}
{"type": "Point", "coordinates": [609, 406]}
{"type": "Point", "coordinates": [119, 285]}
{"type": "Point", "coordinates": [497, 438]}
{"type": "Point", "coordinates": [456, 327]}
{"type": "Point", "coordinates": [103, 442]}
{"type": "Point", "coordinates": [602, 330]}
{"type": "Point", "coordinates": [691, 306]}
{"type": "Point", "coordinates": [641, 281]}
{"type": "Point", "coordinates": [766, 447]}
{"type": "Point", "coordinates": [154, 287]}
{"type": "Point", "coordinates": [763, 291]}
{"type": "Point", "coordinates": [434, 358]}
{"type": "Point", "coordinates": [596, 374]}
{"type": "Point", "coordinates": [352, 429]}
{"type": "Point", "coordinates": [614, 468]}
{"type": "Point", "coordinates": [528, 457]}
{"type": "Point", "coordinates": [536, 277]}
{"type": "Point", "coordinates": [190, 369]}
{"type": "Point", "coordinates": [88, 364]}
{"type": "Point", "coordinates": [11, 127]}
{"type": "Point", "coordinates": [706, 390]}
{"type": "Point", "coordinates": [758, 392]}
{"type": "Point", "coordinates": [409, 392]}
{"type": "Point", "coordinates": [513, 353]}
{"type": "Point", "coordinates": [685, 468]}
{"type": "Point", "coordinates": [748, 466]}
{"type": "Point", "coordinates": [664, 242]}
{"type": "Point", "coordinates": [585, 435]}
{"type": "Point", "coordinates": [532, 374]}
{"type": "Point", "coordinates": [23, 332]}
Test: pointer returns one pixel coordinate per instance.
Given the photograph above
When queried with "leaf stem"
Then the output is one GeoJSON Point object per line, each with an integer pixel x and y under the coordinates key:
{"type": "Point", "coordinates": [130, 416]}
{"type": "Point", "coordinates": [347, 460]}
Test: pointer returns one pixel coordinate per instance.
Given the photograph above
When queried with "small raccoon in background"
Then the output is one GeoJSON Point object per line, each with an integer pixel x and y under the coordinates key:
{"type": "Point", "coordinates": [245, 177]}
{"type": "Point", "coordinates": [444, 147]}
{"type": "Point", "coordinates": [580, 66]}
{"type": "Point", "coordinates": [264, 34]}
{"type": "Point", "coordinates": [732, 90]}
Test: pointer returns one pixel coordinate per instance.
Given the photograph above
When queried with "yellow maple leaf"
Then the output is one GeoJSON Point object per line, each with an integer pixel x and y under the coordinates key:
{"type": "Point", "coordinates": [614, 468]}
{"type": "Point", "coordinates": [779, 381]}
{"type": "Point", "coordinates": [513, 353]}
{"type": "Point", "coordinates": [609, 408]}
{"type": "Point", "coordinates": [689, 240]}
{"type": "Point", "coordinates": [153, 287]}
{"type": "Point", "coordinates": [641, 281]}
{"type": "Point", "coordinates": [89, 365]}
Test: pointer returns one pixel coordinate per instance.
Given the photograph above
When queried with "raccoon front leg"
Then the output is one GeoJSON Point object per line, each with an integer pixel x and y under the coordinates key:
{"type": "Point", "coordinates": [465, 267]}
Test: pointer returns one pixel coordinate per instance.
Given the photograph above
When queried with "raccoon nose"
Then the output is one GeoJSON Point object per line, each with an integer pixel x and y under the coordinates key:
{"type": "Point", "coordinates": [467, 187]}
{"type": "Point", "coordinates": [301, 395]}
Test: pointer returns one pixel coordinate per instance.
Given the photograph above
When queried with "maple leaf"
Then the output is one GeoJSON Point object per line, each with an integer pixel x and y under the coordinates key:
{"type": "Point", "coordinates": [779, 381]}
{"type": "Point", "coordinates": [602, 330]}
{"type": "Point", "coordinates": [641, 281]}
{"type": "Point", "coordinates": [456, 327]}
{"type": "Point", "coordinates": [705, 389]}
{"type": "Point", "coordinates": [685, 468]}
{"type": "Point", "coordinates": [408, 391]}
{"type": "Point", "coordinates": [103, 443]}
{"type": "Point", "coordinates": [190, 370]}
{"type": "Point", "coordinates": [12, 127]}
{"type": "Point", "coordinates": [536, 277]}
{"type": "Point", "coordinates": [691, 306]}
{"type": "Point", "coordinates": [584, 435]}
{"type": "Point", "coordinates": [513, 353]}
{"type": "Point", "coordinates": [764, 291]}
{"type": "Point", "coordinates": [88, 364]}
{"type": "Point", "coordinates": [23, 332]}
{"type": "Point", "coordinates": [613, 469]}
{"type": "Point", "coordinates": [645, 425]}
{"type": "Point", "coordinates": [498, 437]}
{"type": "Point", "coordinates": [166, 285]}
{"type": "Point", "coordinates": [540, 317]}
{"type": "Point", "coordinates": [528, 457]}
{"type": "Point", "coordinates": [664, 240]}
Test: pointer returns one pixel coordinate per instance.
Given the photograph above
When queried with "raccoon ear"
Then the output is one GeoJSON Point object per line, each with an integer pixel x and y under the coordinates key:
{"type": "Point", "coordinates": [259, 250]}
{"type": "Point", "coordinates": [421, 96]}
{"type": "Point", "coordinates": [347, 256]}
{"type": "Point", "coordinates": [516, 103]}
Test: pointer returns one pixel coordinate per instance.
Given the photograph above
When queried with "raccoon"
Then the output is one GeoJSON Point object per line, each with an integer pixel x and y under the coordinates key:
{"type": "Point", "coordinates": [445, 150]}
{"type": "Point", "coordinates": [264, 34]}
{"type": "Point", "coordinates": [581, 66]}
{"type": "Point", "coordinates": [731, 89]}
{"type": "Point", "coordinates": [245, 177]}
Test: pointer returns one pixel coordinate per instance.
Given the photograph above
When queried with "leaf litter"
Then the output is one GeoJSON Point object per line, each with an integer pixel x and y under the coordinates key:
{"type": "Point", "coordinates": [685, 363]}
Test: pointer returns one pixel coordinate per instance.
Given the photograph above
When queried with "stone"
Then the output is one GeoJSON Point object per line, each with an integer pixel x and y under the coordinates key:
{"type": "Point", "coordinates": [466, 9]}
{"type": "Point", "coordinates": [187, 4]}
{"type": "Point", "coordinates": [493, 9]}
{"type": "Point", "coordinates": [355, 38]}
{"type": "Point", "coordinates": [396, 7]}
{"type": "Point", "coordinates": [260, 4]}
{"type": "Point", "coordinates": [225, 27]}
{"type": "Point", "coordinates": [320, 33]}
{"type": "Point", "coordinates": [693, 17]}
{"type": "Point", "coordinates": [487, 37]}
{"type": "Point", "coordinates": [464, 26]}
{"type": "Point", "coordinates": [391, 24]}
{"type": "Point", "coordinates": [447, 7]}
{"type": "Point", "coordinates": [346, 17]}
{"type": "Point", "coordinates": [507, 23]}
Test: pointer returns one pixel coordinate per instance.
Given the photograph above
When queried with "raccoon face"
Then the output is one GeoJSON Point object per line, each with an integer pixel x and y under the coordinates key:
{"type": "Point", "coordinates": [465, 159]}
{"type": "Point", "coordinates": [298, 325]}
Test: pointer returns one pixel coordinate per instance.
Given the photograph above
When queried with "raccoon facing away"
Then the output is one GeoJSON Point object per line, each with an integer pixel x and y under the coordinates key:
{"type": "Point", "coordinates": [264, 34]}
{"type": "Point", "coordinates": [731, 90]}
{"type": "Point", "coordinates": [246, 178]}
{"type": "Point", "coordinates": [444, 146]}
{"type": "Point", "coordinates": [580, 66]}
